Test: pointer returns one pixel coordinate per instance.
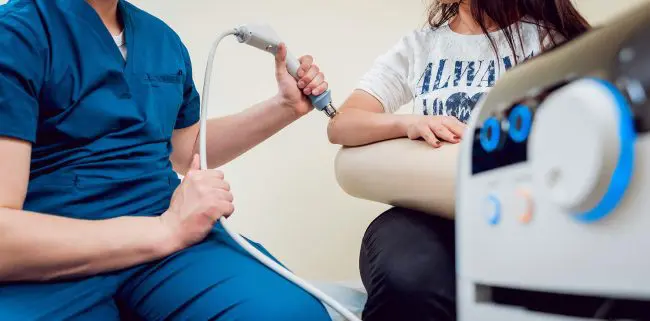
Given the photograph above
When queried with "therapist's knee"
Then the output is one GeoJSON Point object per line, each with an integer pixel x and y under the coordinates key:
{"type": "Point", "coordinates": [287, 305]}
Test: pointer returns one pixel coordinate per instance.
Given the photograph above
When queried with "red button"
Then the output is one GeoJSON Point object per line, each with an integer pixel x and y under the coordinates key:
{"type": "Point", "coordinates": [526, 214]}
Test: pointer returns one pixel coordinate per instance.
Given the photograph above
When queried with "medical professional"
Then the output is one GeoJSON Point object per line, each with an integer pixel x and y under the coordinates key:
{"type": "Point", "coordinates": [407, 258]}
{"type": "Point", "coordinates": [98, 112]}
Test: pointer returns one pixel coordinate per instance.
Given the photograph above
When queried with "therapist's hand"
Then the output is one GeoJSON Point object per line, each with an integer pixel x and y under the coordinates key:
{"type": "Point", "coordinates": [291, 92]}
{"type": "Point", "coordinates": [199, 201]}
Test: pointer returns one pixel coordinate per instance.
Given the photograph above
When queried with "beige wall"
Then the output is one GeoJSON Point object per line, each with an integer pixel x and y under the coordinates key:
{"type": "Point", "coordinates": [286, 193]}
{"type": "Point", "coordinates": [285, 190]}
{"type": "Point", "coordinates": [599, 11]}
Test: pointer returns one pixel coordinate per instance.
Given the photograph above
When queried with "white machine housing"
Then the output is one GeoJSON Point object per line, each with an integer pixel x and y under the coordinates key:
{"type": "Point", "coordinates": [553, 190]}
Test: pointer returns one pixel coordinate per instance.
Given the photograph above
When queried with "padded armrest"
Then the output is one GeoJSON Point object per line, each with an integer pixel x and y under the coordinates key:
{"type": "Point", "coordinates": [401, 172]}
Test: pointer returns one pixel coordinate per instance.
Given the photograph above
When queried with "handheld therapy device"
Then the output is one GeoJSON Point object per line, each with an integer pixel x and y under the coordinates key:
{"type": "Point", "coordinates": [554, 184]}
{"type": "Point", "coordinates": [264, 38]}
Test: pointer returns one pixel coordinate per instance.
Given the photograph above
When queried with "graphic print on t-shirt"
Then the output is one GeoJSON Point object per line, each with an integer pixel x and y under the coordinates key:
{"type": "Point", "coordinates": [453, 87]}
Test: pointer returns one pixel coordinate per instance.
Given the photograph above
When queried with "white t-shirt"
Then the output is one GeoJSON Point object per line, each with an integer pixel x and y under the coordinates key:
{"type": "Point", "coordinates": [121, 44]}
{"type": "Point", "coordinates": [444, 72]}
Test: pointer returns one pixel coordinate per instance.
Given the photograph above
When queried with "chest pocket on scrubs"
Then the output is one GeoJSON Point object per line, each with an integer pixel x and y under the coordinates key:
{"type": "Point", "coordinates": [166, 92]}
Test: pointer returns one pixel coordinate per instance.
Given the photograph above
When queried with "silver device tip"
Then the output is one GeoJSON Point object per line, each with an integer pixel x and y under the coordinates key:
{"type": "Point", "coordinates": [330, 111]}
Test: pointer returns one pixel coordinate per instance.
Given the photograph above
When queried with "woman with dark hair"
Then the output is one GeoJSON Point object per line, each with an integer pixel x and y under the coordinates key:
{"type": "Point", "coordinates": [407, 258]}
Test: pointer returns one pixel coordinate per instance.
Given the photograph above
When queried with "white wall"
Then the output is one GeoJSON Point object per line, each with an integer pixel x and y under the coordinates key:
{"type": "Point", "coordinates": [285, 190]}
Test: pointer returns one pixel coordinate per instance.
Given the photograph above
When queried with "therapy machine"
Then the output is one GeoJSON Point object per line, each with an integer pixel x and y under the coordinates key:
{"type": "Point", "coordinates": [554, 179]}
{"type": "Point", "coordinates": [551, 186]}
{"type": "Point", "coordinates": [264, 38]}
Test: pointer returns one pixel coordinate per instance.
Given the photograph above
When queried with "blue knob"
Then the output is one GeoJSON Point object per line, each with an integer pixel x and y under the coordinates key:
{"type": "Point", "coordinates": [520, 120]}
{"type": "Point", "coordinates": [491, 135]}
{"type": "Point", "coordinates": [624, 171]}
{"type": "Point", "coordinates": [492, 210]}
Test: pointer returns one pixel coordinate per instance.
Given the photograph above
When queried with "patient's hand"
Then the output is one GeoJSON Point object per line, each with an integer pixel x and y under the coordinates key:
{"type": "Point", "coordinates": [436, 129]}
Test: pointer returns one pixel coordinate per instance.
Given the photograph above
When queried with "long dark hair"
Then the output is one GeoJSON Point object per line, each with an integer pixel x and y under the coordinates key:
{"type": "Point", "coordinates": [557, 17]}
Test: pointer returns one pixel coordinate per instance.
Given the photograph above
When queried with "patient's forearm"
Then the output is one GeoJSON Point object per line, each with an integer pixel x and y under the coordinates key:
{"type": "Point", "coordinates": [38, 247]}
{"type": "Point", "coordinates": [355, 127]}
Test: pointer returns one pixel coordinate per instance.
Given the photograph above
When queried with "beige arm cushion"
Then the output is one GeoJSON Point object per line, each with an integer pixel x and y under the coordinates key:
{"type": "Point", "coordinates": [401, 172]}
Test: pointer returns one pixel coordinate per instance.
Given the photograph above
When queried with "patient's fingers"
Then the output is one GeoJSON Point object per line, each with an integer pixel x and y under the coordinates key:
{"type": "Point", "coordinates": [429, 136]}
{"type": "Point", "coordinates": [454, 125]}
{"type": "Point", "coordinates": [444, 133]}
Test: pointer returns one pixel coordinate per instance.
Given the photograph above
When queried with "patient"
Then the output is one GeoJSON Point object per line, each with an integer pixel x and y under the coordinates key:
{"type": "Point", "coordinates": [407, 258]}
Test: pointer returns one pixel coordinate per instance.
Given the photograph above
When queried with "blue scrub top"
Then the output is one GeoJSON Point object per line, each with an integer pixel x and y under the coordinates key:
{"type": "Point", "coordinates": [100, 126]}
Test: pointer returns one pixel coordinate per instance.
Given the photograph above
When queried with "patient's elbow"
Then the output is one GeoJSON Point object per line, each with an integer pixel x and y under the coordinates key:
{"type": "Point", "coordinates": [334, 132]}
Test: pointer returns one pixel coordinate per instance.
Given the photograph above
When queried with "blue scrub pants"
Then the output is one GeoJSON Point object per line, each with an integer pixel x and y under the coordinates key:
{"type": "Point", "coordinates": [214, 280]}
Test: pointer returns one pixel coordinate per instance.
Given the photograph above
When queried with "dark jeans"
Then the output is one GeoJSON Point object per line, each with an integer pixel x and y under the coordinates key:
{"type": "Point", "coordinates": [407, 264]}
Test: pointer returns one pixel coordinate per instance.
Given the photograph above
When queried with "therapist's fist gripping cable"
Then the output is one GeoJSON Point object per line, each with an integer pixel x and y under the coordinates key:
{"type": "Point", "coordinates": [264, 38]}
{"type": "Point", "coordinates": [202, 198]}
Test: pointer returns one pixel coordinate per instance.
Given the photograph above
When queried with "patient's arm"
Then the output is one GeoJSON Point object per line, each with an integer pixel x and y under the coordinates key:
{"type": "Point", "coordinates": [362, 120]}
{"type": "Point", "coordinates": [37, 247]}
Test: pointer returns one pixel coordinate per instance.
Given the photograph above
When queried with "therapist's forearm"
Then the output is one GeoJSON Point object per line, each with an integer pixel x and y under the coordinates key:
{"type": "Point", "coordinates": [356, 127]}
{"type": "Point", "coordinates": [38, 247]}
{"type": "Point", "coordinates": [231, 136]}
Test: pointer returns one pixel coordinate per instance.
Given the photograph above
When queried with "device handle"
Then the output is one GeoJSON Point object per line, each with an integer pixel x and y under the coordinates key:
{"type": "Point", "coordinates": [319, 102]}
{"type": "Point", "coordinates": [263, 37]}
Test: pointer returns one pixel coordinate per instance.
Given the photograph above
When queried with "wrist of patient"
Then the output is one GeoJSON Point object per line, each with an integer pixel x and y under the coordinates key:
{"type": "Point", "coordinates": [403, 122]}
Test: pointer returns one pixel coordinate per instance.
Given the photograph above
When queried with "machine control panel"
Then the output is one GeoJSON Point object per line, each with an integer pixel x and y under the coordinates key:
{"type": "Point", "coordinates": [553, 184]}
{"type": "Point", "coordinates": [579, 143]}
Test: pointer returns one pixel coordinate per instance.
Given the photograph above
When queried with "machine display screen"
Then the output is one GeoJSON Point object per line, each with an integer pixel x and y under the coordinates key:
{"type": "Point", "coordinates": [509, 154]}
{"type": "Point", "coordinates": [501, 142]}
